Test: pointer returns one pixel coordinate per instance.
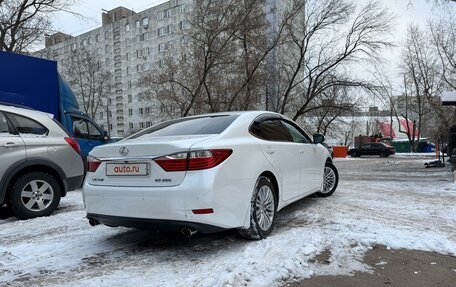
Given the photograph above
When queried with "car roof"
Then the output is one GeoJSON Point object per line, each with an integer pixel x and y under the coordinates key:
{"type": "Point", "coordinates": [235, 113]}
{"type": "Point", "coordinates": [22, 111]}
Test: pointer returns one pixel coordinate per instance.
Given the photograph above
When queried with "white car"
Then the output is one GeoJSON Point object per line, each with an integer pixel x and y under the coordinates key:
{"type": "Point", "coordinates": [207, 173]}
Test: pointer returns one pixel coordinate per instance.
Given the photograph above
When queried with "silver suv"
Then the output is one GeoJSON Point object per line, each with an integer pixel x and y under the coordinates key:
{"type": "Point", "coordinates": [39, 162]}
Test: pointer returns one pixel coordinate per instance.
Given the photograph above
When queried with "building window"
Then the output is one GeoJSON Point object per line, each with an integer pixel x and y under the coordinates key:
{"type": "Point", "coordinates": [163, 30]}
{"type": "Point", "coordinates": [130, 112]}
{"type": "Point", "coordinates": [127, 27]}
{"type": "Point", "coordinates": [145, 22]}
{"type": "Point", "coordinates": [141, 125]}
{"type": "Point", "coordinates": [131, 126]}
{"type": "Point", "coordinates": [129, 86]}
{"type": "Point", "coordinates": [141, 111]}
{"type": "Point", "coordinates": [101, 115]}
{"type": "Point", "coordinates": [162, 47]}
{"type": "Point", "coordinates": [97, 37]}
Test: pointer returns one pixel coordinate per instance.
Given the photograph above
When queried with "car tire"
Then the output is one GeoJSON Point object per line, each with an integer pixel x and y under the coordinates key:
{"type": "Point", "coordinates": [263, 206]}
{"type": "Point", "coordinates": [384, 154]}
{"type": "Point", "coordinates": [330, 180]}
{"type": "Point", "coordinates": [35, 194]}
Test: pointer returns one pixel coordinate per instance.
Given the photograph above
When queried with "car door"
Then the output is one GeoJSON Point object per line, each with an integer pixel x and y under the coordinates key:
{"type": "Point", "coordinates": [376, 148]}
{"type": "Point", "coordinates": [33, 134]}
{"type": "Point", "coordinates": [312, 162]}
{"type": "Point", "coordinates": [86, 133]}
{"type": "Point", "coordinates": [365, 149]}
{"type": "Point", "coordinates": [282, 153]}
{"type": "Point", "coordinates": [12, 147]}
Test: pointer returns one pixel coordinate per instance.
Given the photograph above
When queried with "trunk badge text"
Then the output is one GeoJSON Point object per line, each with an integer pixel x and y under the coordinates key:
{"type": "Point", "coordinates": [124, 151]}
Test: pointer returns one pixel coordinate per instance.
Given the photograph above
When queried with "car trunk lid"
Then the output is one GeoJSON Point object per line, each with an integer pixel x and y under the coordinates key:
{"type": "Point", "coordinates": [131, 163]}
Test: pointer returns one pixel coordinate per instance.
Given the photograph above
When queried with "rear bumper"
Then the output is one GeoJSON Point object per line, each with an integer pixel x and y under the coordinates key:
{"type": "Point", "coordinates": [74, 183]}
{"type": "Point", "coordinates": [230, 200]}
{"type": "Point", "coordinates": [152, 224]}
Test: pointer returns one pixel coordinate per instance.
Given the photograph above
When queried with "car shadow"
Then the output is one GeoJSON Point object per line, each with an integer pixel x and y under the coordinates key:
{"type": "Point", "coordinates": [5, 212]}
{"type": "Point", "coordinates": [139, 240]}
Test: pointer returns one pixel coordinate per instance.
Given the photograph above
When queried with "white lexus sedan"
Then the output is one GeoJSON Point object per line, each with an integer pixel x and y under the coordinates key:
{"type": "Point", "coordinates": [207, 173]}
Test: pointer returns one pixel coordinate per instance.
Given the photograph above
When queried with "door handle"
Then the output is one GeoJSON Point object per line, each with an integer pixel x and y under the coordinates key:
{"type": "Point", "coordinates": [270, 151]}
{"type": "Point", "coordinates": [11, 144]}
{"type": "Point", "coordinates": [301, 151]}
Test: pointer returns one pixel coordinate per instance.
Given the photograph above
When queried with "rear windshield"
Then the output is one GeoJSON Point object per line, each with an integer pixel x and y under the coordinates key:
{"type": "Point", "coordinates": [188, 126]}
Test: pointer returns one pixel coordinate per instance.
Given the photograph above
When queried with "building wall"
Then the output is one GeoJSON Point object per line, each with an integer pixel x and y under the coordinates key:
{"type": "Point", "coordinates": [128, 48]}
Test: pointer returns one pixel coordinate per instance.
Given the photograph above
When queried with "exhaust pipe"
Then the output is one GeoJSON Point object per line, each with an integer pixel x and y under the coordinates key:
{"type": "Point", "coordinates": [93, 222]}
{"type": "Point", "coordinates": [187, 232]}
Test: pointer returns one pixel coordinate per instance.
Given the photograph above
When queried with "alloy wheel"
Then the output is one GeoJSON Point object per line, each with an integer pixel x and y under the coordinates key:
{"type": "Point", "coordinates": [264, 208]}
{"type": "Point", "coordinates": [37, 195]}
{"type": "Point", "coordinates": [329, 180]}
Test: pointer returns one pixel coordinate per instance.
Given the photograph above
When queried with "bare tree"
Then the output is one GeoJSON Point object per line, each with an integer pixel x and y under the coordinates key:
{"type": "Point", "coordinates": [444, 39]}
{"type": "Point", "coordinates": [88, 79]}
{"type": "Point", "coordinates": [221, 65]}
{"type": "Point", "coordinates": [23, 23]}
{"type": "Point", "coordinates": [422, 82]}
{"type": "Point", "coordinates": [334, 103]}
{"type": "Point", "coordinates": [323, 48]}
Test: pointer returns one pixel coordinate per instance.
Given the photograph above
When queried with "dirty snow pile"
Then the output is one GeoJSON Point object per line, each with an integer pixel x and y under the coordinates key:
{"type": "Point", "coordinates": [393, 202]}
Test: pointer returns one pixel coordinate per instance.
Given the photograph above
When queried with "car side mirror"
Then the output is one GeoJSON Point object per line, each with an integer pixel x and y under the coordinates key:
{"type": "Point", "coordinates": [318, 138]}
{"type": "Point", "coordinates": [105, 136]}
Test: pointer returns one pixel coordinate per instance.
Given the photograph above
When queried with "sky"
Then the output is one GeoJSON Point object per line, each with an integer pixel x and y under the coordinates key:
{"type": "Point", "coordinates": [406, 12]}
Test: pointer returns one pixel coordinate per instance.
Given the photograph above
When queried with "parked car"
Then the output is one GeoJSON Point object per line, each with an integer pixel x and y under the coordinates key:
{"type": "Point", "coordinates": [380, 149]}
{"type": "Point", "coordinates": [40, 162]}
{"type": "Point", "coordinates": [207, 173]}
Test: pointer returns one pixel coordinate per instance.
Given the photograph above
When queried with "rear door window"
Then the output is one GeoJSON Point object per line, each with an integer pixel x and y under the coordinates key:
{"type": "Point", "coordinates": [366, 146]}
{"type": "Point", "coordinates": [189, 126]}
{"type": "Point", "coordinates": [26, 125]}
{"type": "Point", "coordinates": [271, 130]}
{"type": "Point", "coordinates": [4, 126]}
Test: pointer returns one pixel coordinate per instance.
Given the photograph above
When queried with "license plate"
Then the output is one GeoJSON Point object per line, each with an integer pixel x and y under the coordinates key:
{"type": "Point", "coordinates": [127, 169]}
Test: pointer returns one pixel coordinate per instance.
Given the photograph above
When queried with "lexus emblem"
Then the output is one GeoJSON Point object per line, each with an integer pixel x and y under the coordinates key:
{"type": "Point", "coordinates": [124, 151]}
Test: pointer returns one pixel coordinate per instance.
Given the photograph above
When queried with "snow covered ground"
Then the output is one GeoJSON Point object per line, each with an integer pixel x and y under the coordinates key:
{"type": "Point", "coordinates": [394, 202]}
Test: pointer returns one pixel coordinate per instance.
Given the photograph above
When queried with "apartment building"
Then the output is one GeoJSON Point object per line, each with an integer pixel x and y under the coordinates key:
{"type": "Point", "coordinates": [129, 44]}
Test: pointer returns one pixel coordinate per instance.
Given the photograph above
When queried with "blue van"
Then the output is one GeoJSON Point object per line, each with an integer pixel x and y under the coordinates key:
{"type": "Point", "coordinates": [35, 83]}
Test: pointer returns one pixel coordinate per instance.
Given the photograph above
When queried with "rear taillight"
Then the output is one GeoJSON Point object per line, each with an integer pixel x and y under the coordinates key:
{"type": "Point", "coordinates": [194, 160]}
{"type": "Point", "coordinates": [74, 144]}
{"type": "Point", "coordinates": [92, 163]}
